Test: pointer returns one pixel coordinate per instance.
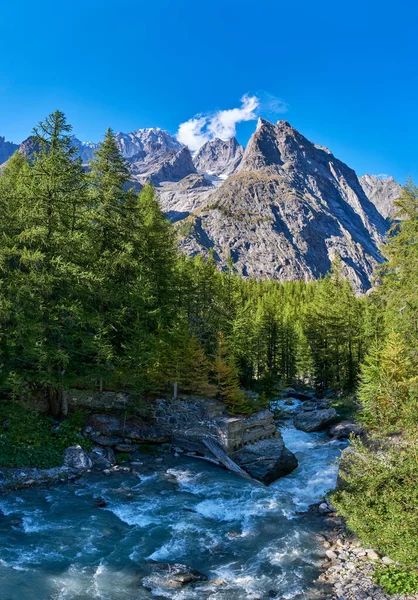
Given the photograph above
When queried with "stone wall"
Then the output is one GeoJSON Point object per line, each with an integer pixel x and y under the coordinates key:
{"type": "Point", "coordinates": [189, 418]}
{"type": "Point", "coordinates": [96, 400]}
{"type": "Point", "coordinates": [194, 418]}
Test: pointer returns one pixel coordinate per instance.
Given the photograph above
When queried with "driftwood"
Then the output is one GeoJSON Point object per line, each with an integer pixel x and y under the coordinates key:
{"type": "Point", "coordinates": [228, 463]}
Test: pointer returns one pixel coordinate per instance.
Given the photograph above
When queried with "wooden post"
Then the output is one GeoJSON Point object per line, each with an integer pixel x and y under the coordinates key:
{"type": "Point", "coordinates": [175, 391]}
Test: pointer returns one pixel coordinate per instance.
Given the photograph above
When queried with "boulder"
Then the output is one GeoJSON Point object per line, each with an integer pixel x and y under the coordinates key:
{"type": "Point", "coordinates": [343, 430]}
{"type": "Point", "coordinates": [171, 576]}
{"type": "Point", "coordinates": [77, 458]}
{"type": "Point", "coordinates": [99, 502]}
{"type": "Point", "coordinates": [104, 456]}
{"type": "Point", "coordinates": [314, 420]}
{"type": "Point", "coordinates": [126, 448]}
{"type": "Point", "coordinates": [266, 460]}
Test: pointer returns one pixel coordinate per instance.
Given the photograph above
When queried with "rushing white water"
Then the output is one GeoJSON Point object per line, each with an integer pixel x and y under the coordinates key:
{"type": "Point", "coordinates": [185, 511]}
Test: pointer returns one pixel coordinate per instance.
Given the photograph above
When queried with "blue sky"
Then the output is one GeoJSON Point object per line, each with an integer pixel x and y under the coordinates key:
{"type": "Point", "coordinates": [347, 71]}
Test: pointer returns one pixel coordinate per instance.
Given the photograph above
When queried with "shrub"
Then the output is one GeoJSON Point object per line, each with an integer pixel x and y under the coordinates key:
{"type": "Point", "coordinates": [395, 580]}
{"type": "Point", "coordinates": [379, 496]}
{"type": "Point", "coordinates": [28, 438]}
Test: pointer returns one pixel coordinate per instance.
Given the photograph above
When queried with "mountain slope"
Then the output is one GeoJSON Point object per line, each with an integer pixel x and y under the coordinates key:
{"type": "Point", "coordinates": [382, 192]}
{"type": "Point", "coordinates": [6, 149]}
{"type": "Point", "coordinates": [219, 157]}
{"type": "Point", "coordinates": [288, 211]}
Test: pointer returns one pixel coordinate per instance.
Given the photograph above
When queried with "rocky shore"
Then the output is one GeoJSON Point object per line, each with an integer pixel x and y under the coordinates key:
{"type": "Point", "coordinates": [349, 568]}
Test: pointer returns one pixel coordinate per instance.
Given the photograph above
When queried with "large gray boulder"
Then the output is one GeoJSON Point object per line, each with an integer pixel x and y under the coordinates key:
{"type": "Point", "coordinates": [266, 460]}
{"type": "Point", "coordinates": [314, 420]}
{"type": "Point", "coordinates": [77, 458]}
{"type": "Point", "coordinates": [171, 576]}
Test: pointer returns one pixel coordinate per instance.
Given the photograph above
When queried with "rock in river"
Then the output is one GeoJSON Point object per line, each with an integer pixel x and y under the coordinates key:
{"type": "Point", "coordinates": [314, 420]}
{"type": "Point", "coordinates": [171, 576]}
{"type": "Point", "coordinates": [266, 460]}
{"type": "Point", "coordinates": [77, 458]}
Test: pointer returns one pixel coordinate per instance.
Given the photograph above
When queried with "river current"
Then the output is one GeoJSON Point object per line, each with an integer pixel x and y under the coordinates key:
{"type": "Point", "coordinates": [56, 545]}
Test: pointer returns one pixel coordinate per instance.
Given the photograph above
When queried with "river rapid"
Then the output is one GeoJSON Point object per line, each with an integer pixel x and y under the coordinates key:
{"type": "Point", "coordinates": [56, 545]}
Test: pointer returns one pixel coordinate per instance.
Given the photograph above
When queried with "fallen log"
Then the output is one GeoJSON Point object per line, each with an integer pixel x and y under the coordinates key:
{"type": "Point", "coordinates": [228, 463]}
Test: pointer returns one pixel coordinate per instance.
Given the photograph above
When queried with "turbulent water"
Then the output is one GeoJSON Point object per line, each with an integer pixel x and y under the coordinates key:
{"type": "Point", "coordinates": [182, 510]}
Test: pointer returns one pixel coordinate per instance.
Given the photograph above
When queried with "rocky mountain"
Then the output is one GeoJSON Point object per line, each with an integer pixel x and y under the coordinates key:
{"type": "Point", "coordinates": [290, 208]}
{"type": "Point", "coordinates": [382, 191]}
{"type": "Point", "coordinates": [218, 157]}
{"type": "Point", "coordinates": [155, 155]}
{"type": "Point", "coordinates": [6, 149]}
{"type": "Point", "coordinates": [283, 208]}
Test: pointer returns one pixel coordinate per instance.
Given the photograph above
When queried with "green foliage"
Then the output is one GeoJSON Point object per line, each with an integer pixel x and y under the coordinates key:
{"type": "Point", "coordinates": [29, 439]}
{"type": "Point", "coordinates": [225, 376]}
{"type": "Point", "coordinates": [122, 457]}
{"type": "Point", "coordinates": [380, 495]}
{"type": "Point", "coordinates": [388, 391]}
{"type": "Point", "coordinates": [396, 580]}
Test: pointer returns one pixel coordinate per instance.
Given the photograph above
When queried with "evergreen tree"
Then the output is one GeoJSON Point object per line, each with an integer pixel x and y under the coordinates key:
{"type": "Point", "coordinates": [387, 391]}
{"type": "Point", "coordinates": [46, 278]}
{"type": "Point", "coordinates": [226, 379]}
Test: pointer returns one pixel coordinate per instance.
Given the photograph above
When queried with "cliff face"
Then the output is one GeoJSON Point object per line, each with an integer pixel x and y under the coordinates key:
{"type": "Point", "coordinates": [288, 211]}
{"type": "Point", "coordinates": [6, 149]}
{"type": "Point", "coordinates": [218, 157]}
{"type": "Point", "coordinates": [382, 192]}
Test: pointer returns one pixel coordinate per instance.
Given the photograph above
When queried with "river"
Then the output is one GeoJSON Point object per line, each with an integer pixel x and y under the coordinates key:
{"type": "Point", "coordinates": [56, 545]}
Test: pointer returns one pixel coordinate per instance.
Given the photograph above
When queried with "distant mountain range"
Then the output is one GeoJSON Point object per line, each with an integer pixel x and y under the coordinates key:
{"type": "Point", "coordinates": [282, 208]}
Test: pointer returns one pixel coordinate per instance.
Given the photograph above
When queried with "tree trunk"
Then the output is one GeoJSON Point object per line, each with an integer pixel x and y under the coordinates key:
{"type": "Point", "coordinates": [54, 397]}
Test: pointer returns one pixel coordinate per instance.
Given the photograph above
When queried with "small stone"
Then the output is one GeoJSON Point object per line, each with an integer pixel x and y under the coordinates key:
{"type": "Point", "coordinates": [218, 582]}
{"type": "Point", "coordinates": [331, 554]}
{"type": "Point", "coordinates": [99, 502]}
{"type": "Point", "coordinates": [323, 508]}
{"type": "Point", "coordinates": [372, 554]}
{"type": "Point", "coordinates": [387, 561]}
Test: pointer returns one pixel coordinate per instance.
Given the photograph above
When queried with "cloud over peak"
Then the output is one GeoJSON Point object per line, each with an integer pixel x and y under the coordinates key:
{"type": "Point", "coordinates": [222, 123]}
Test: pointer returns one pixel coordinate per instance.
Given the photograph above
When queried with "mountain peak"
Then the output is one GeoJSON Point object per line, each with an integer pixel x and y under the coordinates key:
{"type": "Point", "coordinates": [219, 157]}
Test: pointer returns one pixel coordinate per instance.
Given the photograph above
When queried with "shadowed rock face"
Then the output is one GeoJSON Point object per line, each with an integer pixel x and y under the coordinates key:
{"type": "Point", "coordinates": [266, 460]}
{"type": "Point", "coordinates": [6, 149]}
{"type": "Point", "coordinates": [290, 208]}
{"type": "Point", "coordinates": [382, 192]}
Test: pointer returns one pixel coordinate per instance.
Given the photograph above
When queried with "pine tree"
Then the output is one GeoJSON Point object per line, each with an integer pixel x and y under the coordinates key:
{"type": "Point", "coordinates": [387, 390]}
{"type": "Point", "coordinates": [47, 282]}
{"type": "Point", "coordinates": [135, 263]}
{"type": "Point", "coordinates": [226, 379]}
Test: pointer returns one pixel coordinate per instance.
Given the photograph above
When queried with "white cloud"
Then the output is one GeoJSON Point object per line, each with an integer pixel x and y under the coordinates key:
{"type": "Point", "coordinates": [191, 133]}
{"type": "Point", "coordinates": [222, 123]}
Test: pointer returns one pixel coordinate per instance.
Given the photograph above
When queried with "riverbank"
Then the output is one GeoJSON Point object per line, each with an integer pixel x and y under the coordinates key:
{"type": "Point", "coordinates": [349, 568]}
